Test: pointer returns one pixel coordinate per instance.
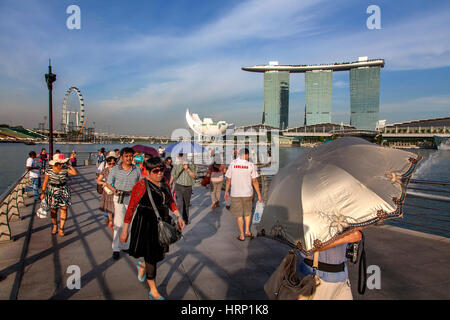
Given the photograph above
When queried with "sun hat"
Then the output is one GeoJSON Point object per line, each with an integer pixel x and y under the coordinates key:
{"type": "Point", "coordinates": [58, 158]}
{"type": "Point", "coordinates": [111, 154]}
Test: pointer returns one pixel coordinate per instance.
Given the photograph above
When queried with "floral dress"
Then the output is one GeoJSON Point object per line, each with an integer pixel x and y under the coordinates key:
{"type": "Point", "coordinates": [58, 191]}
{"type": "Point", "coordinates": [107, 200]}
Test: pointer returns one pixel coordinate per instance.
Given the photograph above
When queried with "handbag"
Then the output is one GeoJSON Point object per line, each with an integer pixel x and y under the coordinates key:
{"type": "Point", "coordinates": [284, 283]}
{"type": "Point", "coordinates": [257, 215]}
{"type": "Point", "coordinates": [206, 180]}
{"type": "Point", "coordinates": [43, 211]}
{"type": "Point", "coordinates": [108, 190]}
{"type": "Point", "coordinates": [99, 189]}
{"type": "Point", "coordinates": [167, 233]}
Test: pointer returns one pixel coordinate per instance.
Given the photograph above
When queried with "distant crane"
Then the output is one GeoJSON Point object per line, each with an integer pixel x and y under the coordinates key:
{"type": "Point", "coordinates": [82, 128]}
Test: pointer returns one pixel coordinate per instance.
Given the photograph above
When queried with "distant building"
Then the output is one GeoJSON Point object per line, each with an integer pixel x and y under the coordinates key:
{"type": "Point", "coordinates": [318, 94]}
{"type": "Point", "coordinates": [364, 92]}
{"type": "Point", "coordinates": [435, 125]}
{"type": "Point", "coordinates": [276, 99]}
{"type": "Point", "coordinates": [364, 97]}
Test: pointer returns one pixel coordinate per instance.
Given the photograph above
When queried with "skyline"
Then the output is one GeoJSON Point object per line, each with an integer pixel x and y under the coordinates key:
{"type": "Point", "coordinates": [144, 64]}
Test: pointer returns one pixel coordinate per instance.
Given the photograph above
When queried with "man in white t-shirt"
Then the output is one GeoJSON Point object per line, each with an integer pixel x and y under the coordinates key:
{"type": "Point", "coordinates": [35, 174]}
{"type": "Point", "coordinates": [242, 176]}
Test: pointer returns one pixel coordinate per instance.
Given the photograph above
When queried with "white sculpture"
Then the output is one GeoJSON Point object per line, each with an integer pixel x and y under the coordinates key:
{"type": "Point", "coordinates": [206, 127]}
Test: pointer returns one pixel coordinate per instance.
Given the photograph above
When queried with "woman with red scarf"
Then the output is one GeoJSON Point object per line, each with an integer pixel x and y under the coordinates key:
{"type": "Point", "coordinates": [144, 231]}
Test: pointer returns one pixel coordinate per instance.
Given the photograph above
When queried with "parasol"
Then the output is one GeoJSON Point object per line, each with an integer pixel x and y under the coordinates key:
{"type": "Point", "coordinates": [185, 148]}
{"type": "Point", "coordinates": [145, 149]}
{"type": "Point", "coordinates": [333, 188]}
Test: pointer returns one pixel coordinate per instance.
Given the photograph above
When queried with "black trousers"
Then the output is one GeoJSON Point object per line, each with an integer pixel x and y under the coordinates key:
{"type": "Point", "coordinates": [150, 270]}
{"type": "Point", "coordinates": [183, 198]}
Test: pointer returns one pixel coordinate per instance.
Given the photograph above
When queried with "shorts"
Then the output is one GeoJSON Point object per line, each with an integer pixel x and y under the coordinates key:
{"type": "Point", "coordinates": [241, 206]}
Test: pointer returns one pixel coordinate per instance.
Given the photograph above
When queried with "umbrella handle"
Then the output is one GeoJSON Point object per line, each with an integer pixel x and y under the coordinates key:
{"type": "Point", "coordinates": [315, 262]}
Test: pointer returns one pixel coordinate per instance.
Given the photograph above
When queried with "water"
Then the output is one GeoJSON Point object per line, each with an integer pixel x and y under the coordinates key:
{"type": "Point", "coordinates": [14, 155]}
{"type": "Point", "coordinates": [435, 166]}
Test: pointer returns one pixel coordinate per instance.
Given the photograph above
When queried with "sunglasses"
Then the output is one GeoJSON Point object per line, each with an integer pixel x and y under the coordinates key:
{"type": "Point", "coordinates": [156, 171]}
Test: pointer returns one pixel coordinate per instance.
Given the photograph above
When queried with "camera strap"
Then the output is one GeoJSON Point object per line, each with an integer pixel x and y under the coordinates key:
{"type": "Point", "coordinates": [362, 272]}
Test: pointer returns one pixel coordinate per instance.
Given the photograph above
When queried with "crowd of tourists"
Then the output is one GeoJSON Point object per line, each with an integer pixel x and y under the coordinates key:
{"type": "Point", "coordinates": [145, 188]}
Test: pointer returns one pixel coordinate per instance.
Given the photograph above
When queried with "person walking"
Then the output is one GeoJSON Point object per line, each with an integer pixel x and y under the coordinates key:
{"type": "Point", "coordinates": [332, 270]}
{"type": "Point", "coordinates": [43, 158]}
{"type": "Point", "coordinates": [107, 199]}
{"type": "Point", "coordinates": [100, 157]}
{"type": "Point", "coordinates": [56, 191]}
{"type": "Point", "coordinates": [183, 174]}
{"type": "Point", "coordinates": [216, 172]}
{"type": "Point", "coordinates": [121, 180]}
{"type": "Point", "coordinates": [241, 177]}
{"type": "Point", "coordinates": [144, 230]}
{"type": "Point", "coordinates": [168, 168]}
{"type": "Point", "coordinates": [35, 174]}
{"type": "Point", "coordinates": [161, 152]}
{"type": "Point", "coordinates": [73, 159]}
{"type": "Point", "coordinates": [100, 162]}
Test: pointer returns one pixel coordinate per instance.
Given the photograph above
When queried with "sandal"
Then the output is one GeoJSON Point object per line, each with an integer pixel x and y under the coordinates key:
{"type": "Point", "coordinates": [61, 232]}
{"type": "Point", "coordinates": [138, 265]}
{"type": "Point", "coordinates": [55, 229]}
{"type": "Point", "coordinates": [239, 238]}
{"type": "Point", "coordinates": [249, 236]}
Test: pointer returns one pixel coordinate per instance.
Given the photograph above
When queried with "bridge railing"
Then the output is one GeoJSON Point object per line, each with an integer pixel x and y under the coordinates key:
{"type": "Point", "coordinates": [11, 202]}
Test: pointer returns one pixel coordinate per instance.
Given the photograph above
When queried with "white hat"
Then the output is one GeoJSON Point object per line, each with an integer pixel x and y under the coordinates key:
{"type": "Point", "coordinates": [111, 154]}
{"type": "Point", "coordinates": [58, 158]}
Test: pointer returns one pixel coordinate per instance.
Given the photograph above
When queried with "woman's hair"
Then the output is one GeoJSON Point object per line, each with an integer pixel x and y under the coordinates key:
{"type": "Point", "coordinates": [153, 163]}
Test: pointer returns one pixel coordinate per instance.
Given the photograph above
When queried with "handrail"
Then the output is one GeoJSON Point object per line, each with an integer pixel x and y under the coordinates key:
{"type": "Point", "coordinates": [11, 189]}
{"type": "Point", "coordinates": [429, 182]}
{"type": "Point", "coordinates": [11, 201]}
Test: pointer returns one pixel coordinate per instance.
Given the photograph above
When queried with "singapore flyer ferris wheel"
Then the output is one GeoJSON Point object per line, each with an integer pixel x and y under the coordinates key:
{"type": "Point", "coordinates": [66, 124]}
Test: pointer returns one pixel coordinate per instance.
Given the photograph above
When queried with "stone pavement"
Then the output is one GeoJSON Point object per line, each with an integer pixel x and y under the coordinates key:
{"type": "Point", "coordinates": [209, 263]}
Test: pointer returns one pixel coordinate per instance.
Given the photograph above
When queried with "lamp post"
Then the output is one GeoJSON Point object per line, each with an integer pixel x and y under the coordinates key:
{"type": "Point", "coordinates": [50, 78]}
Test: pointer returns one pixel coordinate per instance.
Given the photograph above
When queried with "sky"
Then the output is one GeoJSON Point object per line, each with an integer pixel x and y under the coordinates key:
{"type": "Point", "coordinates": [140, 64]}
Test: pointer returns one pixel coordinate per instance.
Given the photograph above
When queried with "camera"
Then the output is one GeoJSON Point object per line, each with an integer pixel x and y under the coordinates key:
{"type": "Point", "coordinates": [351, 252]}
{"type": "Point", "coordinates": [120, 198]}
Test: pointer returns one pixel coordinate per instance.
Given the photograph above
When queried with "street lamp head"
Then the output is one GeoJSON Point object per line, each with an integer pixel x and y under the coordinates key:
{"type": "Point", "coordinates": [50, 77]}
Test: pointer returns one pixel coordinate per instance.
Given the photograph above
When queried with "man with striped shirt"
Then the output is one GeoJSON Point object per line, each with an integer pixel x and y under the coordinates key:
{"type": "Point", "coordinates": [121, 180]}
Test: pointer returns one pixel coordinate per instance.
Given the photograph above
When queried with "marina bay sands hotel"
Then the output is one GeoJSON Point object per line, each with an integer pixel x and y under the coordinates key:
{"type": "Point", "coordinates": [364, 92]}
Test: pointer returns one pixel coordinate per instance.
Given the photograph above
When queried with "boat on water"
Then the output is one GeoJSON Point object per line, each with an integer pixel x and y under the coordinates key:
{"type": "Point", "coordinates": [442, 143]}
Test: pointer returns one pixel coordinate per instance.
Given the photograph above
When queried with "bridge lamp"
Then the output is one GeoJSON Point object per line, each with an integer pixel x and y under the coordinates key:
{"type": "Point", "coordinates": [50, 78]}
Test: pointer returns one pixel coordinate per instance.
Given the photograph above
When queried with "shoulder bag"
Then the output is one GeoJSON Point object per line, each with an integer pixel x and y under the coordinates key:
{"type": "Point", "coordinates": [167, 233]}
{"type": "Point", "coordinates": [284, 283]}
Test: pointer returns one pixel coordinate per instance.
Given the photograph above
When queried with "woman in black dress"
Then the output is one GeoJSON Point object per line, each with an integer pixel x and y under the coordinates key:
{"type": "Point", "coordinates": [144, 231]}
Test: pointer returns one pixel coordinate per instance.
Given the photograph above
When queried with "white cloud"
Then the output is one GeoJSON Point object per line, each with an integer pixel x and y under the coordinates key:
{"type": "Point", "coordinates": [201, 70]}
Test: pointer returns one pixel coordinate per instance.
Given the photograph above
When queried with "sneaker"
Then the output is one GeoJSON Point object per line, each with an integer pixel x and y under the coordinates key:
{"type": "Point", "coordinates": [116, 255]}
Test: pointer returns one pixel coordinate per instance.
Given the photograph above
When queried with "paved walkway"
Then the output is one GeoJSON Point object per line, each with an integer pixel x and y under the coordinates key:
{"type": "Point", "coordinates": [209, 263]}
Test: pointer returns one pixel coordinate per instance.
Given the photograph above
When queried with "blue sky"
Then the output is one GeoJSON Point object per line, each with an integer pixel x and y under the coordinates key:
{"type": "Point", "coordinates": [140, 64]}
